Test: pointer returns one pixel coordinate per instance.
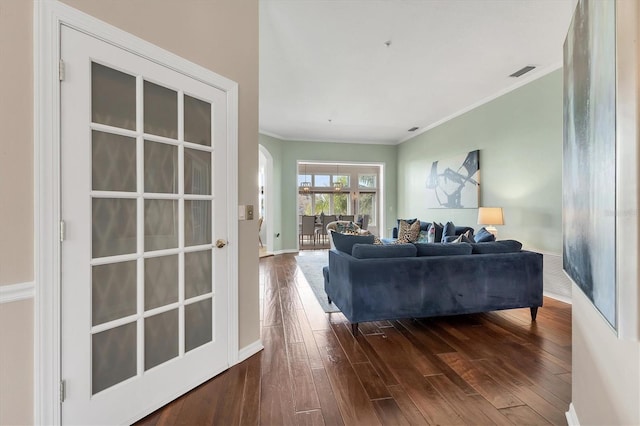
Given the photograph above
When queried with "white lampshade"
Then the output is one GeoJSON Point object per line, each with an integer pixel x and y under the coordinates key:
{"type": "Point", "coordinates": [490, 216]}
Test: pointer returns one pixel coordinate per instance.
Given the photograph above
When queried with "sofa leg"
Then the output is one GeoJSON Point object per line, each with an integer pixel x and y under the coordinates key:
{"type": "Point", "coordinates": [354, 329]}
{"type": "Point", "coordinates": [534, 312]}
{"type": "Point", "coordinates": [329, 299]}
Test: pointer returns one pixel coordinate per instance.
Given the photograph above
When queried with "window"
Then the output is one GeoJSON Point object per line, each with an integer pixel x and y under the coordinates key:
{"type": "Point", "coordinates": [341, 203]}
{"type": "Point", "coordinates": [305, 205]}
{"type": "Point", "coordinates": [367, 205]}
{"type": "Point", "coordinates": [343, 179]}
{"type": "Point", "coordinates": [322, 181]}
{"type": "Point", "coordinates": [303, 178]}
{"type": "Point", "coordinates": [367, 181]}
{"type": "Point", "coordinates": [322, 203]}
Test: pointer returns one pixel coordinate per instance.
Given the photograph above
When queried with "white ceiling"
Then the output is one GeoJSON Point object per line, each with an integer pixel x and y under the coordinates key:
{"type": "Point", "coordinates": [324, 60]}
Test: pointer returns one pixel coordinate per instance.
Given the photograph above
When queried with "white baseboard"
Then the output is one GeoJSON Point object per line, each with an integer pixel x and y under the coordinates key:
{"type": "Point", "coordinates": [15, 292]}
{"type": "Point", "coordinates": [286, 251]}
{"type": "Point", "coordinates": [559, 297]}
{"type": "Point", "coordinates": [572, 417]}
{"type": "Point", "coordinates": [250, 350]}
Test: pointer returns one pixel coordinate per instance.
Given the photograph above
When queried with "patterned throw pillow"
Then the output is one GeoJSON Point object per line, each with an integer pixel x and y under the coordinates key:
{"type": "Point", "coordinates": [342, 227]}
{"type": "Point", "coordinates": [408, 233]}
{"type": "Point", "coordinates": [423, 237]}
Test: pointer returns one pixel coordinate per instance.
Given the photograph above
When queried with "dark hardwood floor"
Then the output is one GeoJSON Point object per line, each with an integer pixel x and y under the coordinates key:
{"type": "Point", "coordinates": [483, 369]}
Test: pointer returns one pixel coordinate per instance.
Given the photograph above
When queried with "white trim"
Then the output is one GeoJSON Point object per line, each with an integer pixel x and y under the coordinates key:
{"type": "Point", "coordinates": [572, 416]}
{"type": "Point", "coordinates": [48, 15]}
{"type": "Point", "coordinates": [558, 297]}
{"type": "Point", "coordinates": [359, 142]}
{"type": "Point", "coordinates": [232, 216]}
{"type": "Point", "coordinates": [15, 292]}
{"type": "Point", "coordinates": [250, 350]}
{"type": "Point", "coordinates": [268, 196]}
{"type": "Point", "coordinates": [285, 251]}
{"type": "Point", "coordinates": [526, 80]}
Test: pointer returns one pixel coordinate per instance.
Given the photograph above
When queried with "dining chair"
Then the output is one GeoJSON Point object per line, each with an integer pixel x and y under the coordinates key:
{"type": "Point", "coordinates": [348, 217]}
{"type": "Point", "coordinates": [308, 229]}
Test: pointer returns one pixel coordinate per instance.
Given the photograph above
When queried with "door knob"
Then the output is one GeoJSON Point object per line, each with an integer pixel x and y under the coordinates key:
{"type": "Point", "coordinates": [221, 243]}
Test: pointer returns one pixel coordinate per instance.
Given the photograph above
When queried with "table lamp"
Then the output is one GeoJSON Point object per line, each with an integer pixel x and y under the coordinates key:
{"type": "Point", "coordinates": [490, 216]}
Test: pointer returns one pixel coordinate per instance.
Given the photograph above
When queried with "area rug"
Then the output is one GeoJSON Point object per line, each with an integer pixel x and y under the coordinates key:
{"type": "Point", "coordinates": [311, 267]}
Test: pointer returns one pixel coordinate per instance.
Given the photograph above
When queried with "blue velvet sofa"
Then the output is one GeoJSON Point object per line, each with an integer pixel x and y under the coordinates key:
{"type": "Point", "coordinates": [376, 283]}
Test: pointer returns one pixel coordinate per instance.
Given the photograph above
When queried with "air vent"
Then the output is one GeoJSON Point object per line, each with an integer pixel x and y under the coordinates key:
{"type": "Point", "coordinates": [413, 129]}
{"type": "Point", "coordinates": [522, 71]}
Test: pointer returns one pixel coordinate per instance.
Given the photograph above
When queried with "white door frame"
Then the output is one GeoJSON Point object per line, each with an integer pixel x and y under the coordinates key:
{"type": "Point", "coordinates": [268, 196]}
{"type": "Point", "coordinates": [49, 15]}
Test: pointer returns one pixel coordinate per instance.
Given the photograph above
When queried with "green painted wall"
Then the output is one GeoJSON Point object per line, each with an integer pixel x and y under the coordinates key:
{"type": "Point", "coordinates": [285, 156]}
{"type": "Point", "coordinates": [519, 136]}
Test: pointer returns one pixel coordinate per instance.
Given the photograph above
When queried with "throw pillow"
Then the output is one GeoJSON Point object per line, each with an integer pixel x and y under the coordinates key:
{"type": "Point", "coordinates": [449, 230]}
{"type": "Point", "coordinates": [408, 233]}
{"type": "Point", "coordinates": [502, 246]}
{"type": "Point", "coordinates": [438, 234]}
{"type": "Point", "coordinates": [484, 236]}
{"type": "Point", "coordinates": [443, 249]}
{"type": "Point", "coordinates": [348, 226]}
{"type": "Point", "coordinates": [345, 242]}
{"type": "Point", "coordinates": [464, 238]}
{"type": "Point", "coordinates": [423, 237]}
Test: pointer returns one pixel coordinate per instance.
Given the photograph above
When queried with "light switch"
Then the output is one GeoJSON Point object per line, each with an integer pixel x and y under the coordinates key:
{"type": "Point", "coordinates": [241, 212]}
{"type": "Point", "coordinates": [249, 212]}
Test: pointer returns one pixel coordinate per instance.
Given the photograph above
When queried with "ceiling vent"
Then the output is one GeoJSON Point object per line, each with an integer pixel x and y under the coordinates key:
{"type": "Point", "coordinates": [522, 71]}
{"type": "Point", "coordinates": [413, 129]}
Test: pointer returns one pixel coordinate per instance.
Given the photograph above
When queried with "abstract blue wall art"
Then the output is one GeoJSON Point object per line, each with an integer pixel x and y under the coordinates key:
{"type": "Point", "coordinates": [589, 154]}
{"type": "Point", "coordinates": [454, 183]}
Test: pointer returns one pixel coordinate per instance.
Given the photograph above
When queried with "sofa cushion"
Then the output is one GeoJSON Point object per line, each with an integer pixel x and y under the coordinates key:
{"type": "Point", "coordinates": [368, 251]}
{"type": "Point", "coordinates": [438, 228]}
{"type": "Point", "coordinates": [436, 249]}
{"type": "Point", "coordinates": [449, 230]}
{"type": "Point", "coordinates": [502, 246]}
{"type": "Point", "coordinates": [408, 232]}
{"type": "Point", "coordinates": [484, 236]}
{"type": "Point", "coordinates": [345, 242]}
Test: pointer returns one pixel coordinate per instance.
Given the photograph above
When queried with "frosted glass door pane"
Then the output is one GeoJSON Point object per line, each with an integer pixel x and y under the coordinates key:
{"type": "Point", "coordinates": [197, 273]}
{"type": "Point", "coordinates": [160, 167]}
{"type": "Point", "coordinates": [113, 226]}
{"type": "Point", "coordinates": [197, 222]}
{"type": "Point", "coordinates": [113, 97]}
{"type": "Point", "coordinates": [113, 162]}
{"type": "Point", "coordinates": [113, 291]}
{"type": "Point", "coordinates": [160, 281]}
{"type": "Point", "coordinates": [197, 121]}
{"type": "Point", "coordinates": [160, 338]}
{"type": "Point", "coordinates": [160, 110]}
{"type": "Point", "coordinates": [197, 324]}
{"type": "Point", "coordinates": [197, 172]}
{"type": "Point", "coordinates": [160, 224]}
{"type": "Point", "coordinates": [113, 356]}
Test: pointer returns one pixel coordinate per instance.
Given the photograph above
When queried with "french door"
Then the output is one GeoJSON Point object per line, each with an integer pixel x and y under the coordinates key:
{"type": "Point", "coordinates": [144, 289]}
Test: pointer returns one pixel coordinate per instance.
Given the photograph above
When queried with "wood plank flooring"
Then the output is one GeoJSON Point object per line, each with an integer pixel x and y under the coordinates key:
{"type": "Point", "coordinates": [484, 369]}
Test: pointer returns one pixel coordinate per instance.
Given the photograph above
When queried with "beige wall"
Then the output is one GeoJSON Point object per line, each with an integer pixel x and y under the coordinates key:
{"type": "Point", "coordinates": [16, 145]}
{"type": "Point", "coordinates": [220, 35]}
{"type": "Point", "coordinates": [16, 363]}
{"type": "Point", "coordinates": [16, 209]}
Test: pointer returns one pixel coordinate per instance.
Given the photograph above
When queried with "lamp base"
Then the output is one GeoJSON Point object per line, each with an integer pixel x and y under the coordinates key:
{"type": "Point", "coordinates": [492, 230]}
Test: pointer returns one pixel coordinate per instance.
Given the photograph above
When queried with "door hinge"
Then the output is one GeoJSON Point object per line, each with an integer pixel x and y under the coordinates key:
{"type": "Point", "coordinates": [61, 70]}
{"type": "Point", "coordinates": [63, 231]}
{"type": "Point", "coordinates": [63, 390]}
